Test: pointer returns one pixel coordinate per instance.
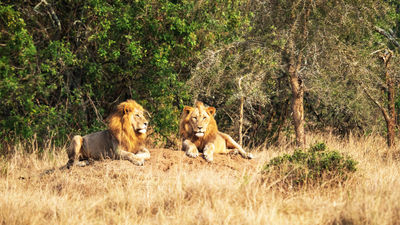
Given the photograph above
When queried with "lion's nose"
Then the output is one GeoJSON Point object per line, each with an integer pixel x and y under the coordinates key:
{"type": "Point", "coordinates": [200, 128]}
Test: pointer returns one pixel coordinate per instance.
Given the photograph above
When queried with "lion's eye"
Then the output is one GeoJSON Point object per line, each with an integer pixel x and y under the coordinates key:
{"type": "Point", "coordinates": [137, 115]}
{"type": "Point", "coordinates": [204, 118]}
{"type": "Point", "coordinates": [194, 118]}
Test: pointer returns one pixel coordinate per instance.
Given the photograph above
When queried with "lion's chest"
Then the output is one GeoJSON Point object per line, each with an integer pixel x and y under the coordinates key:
{"type": "Point", "coordinates": [200, 143]}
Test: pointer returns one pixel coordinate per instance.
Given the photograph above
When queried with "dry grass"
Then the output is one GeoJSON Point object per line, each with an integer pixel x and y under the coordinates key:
{"type": "Point", "coordinates": [116, 192]}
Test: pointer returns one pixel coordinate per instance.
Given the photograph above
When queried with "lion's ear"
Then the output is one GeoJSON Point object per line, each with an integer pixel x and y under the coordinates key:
{"type": "Point", "coordinates": [188, 109]}
{"type": "Point", "coordinates": [210, 110]}
{"type": "Point", "coordinates": [128, 106]}
{"type": "Point", "coordinates": [126, 110]}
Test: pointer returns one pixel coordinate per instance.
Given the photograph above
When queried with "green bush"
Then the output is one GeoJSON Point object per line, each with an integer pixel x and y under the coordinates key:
{"type": "Point", "coordinates": [315, 166]}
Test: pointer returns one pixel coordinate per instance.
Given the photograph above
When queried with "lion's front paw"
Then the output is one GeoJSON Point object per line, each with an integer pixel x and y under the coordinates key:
{"type": "Point", "coordinates": [139, 162]}
{"type": "Point", "coordinates": [192, 153]}
{"type": "Point", "coordinates": [143, 155]}
{"type": "Point", "coordinates": [82, 163]}
{"type": "Point", "coordinates": [208, 157]}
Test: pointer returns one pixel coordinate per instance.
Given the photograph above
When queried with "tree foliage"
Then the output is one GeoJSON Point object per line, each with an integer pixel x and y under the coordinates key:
{"type": "Point", "coordinates": [65, 64]}
{"type": "Point", "coordinates": [60, 78]}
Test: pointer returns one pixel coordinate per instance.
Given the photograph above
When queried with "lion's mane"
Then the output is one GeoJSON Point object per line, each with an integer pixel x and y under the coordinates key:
{"type": "Point", "coordinates": [121, 128]}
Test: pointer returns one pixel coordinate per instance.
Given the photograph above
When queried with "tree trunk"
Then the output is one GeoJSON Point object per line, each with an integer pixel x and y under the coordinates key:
{"type": "Point", "coordinates": [298, 114]}
{"type": "Point", "coordinates": [296, 41]}
{"type": "Point", "coordinates": [297, 87]}
{"type": "Point", "coordinates": [390, 121]}
{"type": "Point", "coordinates": [241, 112]}
{"type": "Point", "coordinates": [391, 133]}
{"type": "Point", "coordinates": [391, 117]}
{"type": "Point", "coordinates": [241, 121]}
{"type": "Point", "coordinates": [388, 112]}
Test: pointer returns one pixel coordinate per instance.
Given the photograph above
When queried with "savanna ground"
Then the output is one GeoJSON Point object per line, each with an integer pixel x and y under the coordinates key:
{"type": "Point", "coordinates": [174, 189]}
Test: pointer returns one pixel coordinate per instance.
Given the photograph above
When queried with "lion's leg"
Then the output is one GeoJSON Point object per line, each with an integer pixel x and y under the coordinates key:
{"type": "Point", "coordinates": [209, 152]}
{"type": "Point", "coordinates": [74, 150]}
{"type": "Point", "coordinates": [124, 155]}
{"type": "Point", "coordinates": [232, 144]}
{"type": "Point", "coordinates": [190, 148]}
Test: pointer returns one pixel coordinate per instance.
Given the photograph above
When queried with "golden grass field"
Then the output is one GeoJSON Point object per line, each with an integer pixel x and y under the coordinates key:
{"type": "Point", "coordinates": [173, 189]}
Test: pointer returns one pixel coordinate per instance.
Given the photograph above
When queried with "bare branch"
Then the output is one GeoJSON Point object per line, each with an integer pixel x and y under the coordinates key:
{"type": "Point", "coordinates": [53, 16]}
{"type": "Point", "coordinates": [383, 109]}
{"type": "Point", "coordinates": [379, 50]}
{"type": "Point", "coordinates": [95, 110]}
{"type": "Point", "coordinates": [387, 35]}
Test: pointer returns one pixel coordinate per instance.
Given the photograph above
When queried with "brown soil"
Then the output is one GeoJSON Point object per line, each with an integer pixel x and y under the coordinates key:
{"type": "Point", "coordinates": [167, 159]}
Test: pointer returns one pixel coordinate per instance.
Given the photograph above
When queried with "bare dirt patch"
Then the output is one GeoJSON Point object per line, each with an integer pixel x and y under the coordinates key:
{"type": "Point", "coordinates": [167, 159]}
{"type": "Point", "coordinates": [163, 163]}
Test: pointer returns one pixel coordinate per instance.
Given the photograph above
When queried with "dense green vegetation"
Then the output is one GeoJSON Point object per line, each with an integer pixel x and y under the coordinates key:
{"type": "Point", "coordinates": [314, 166]}
{"type": "Point", "coordinates": [65, 64]}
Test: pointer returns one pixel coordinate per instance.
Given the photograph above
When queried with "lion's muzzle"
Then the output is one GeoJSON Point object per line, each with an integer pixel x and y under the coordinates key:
{"type": "Point", "coordinates": [142, 131]}
{"type": "Point", "coordinates": [199, 134]}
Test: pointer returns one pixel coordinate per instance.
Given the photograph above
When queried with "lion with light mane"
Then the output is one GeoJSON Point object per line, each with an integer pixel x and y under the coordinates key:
{"type": "Point", "coordinates": [124, 139]}
{"type": "Point", "coordinates": [199, 132]}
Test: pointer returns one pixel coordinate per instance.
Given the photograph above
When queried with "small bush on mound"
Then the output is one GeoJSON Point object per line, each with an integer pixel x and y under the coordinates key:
{"type": "Point", "coordinates": [315, 166]}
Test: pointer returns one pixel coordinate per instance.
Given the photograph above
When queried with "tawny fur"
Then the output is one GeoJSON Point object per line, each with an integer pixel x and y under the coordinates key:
{"type": "Point", "coordinates": [119, 126]}
{"type": "Point", "coordinates": [199, 132]}
{"type": "Point", "coordinates": [124, 138]}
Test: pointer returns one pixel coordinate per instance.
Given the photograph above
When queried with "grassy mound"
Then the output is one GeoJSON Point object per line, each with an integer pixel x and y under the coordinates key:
{"type": "Point", "coordinates": [314, 166]}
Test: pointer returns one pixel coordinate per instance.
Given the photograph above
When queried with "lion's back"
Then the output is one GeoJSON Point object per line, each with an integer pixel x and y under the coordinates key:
{"type": "Point", "coordinates": [99, 145]}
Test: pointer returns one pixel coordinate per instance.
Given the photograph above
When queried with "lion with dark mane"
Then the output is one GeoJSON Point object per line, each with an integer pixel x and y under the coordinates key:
{"type": "Point", "coordinates": [199, 132]}
{"type": "Point", "coordinates": [124, 139]}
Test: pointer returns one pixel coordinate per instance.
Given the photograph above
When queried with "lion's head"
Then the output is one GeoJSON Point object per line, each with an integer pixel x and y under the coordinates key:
{"type": "Point", "coordinates": [128, 125]}
{"type": "Point", "coordinates": [198, 121]}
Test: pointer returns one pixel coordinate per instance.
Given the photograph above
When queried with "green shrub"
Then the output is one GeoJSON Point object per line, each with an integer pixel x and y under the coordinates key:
{"type": "Point", "coordinates": [315, 166]}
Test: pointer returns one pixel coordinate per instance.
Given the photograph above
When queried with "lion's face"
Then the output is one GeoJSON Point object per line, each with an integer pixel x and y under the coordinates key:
{"type": "Point", "coordinates": [138, 121]}
{"type": "Point", "coordinates": [199, 118]}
